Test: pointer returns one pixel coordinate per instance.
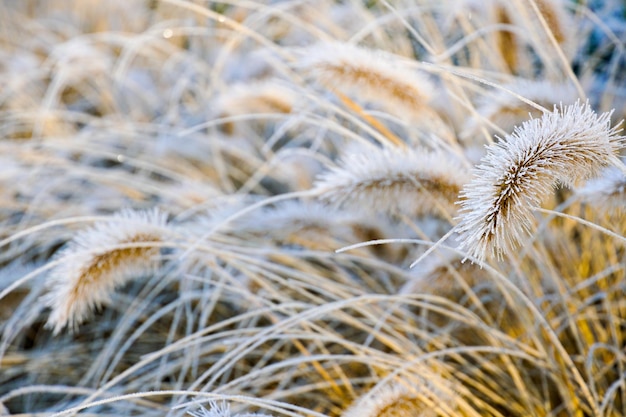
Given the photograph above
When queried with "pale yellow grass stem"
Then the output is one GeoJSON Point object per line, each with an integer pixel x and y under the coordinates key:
{"type": "Point", "coordinates": [389, 135]}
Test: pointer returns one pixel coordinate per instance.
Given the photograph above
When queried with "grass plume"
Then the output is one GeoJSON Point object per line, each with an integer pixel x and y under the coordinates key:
{"type": "Point", "coordinates": [398, 399]}
{"type": "Point", "coordinates": [371, 75]}
{"type": "Point", "coordinates": [412, 182]}
{"type": "Point", "coordinates": [570, 144]}
{"type": "Point", "coordinates": [100, 259]}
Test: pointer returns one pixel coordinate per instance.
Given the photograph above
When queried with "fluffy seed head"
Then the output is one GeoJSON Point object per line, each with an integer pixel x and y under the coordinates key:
{"type": "Point", "coordinates": [100, 259]}
{"type": "Point", "coordinates": [397, 400]}
{"type": "Point", "coordinates": [386, 180]}
{"type": "Point", "coordinates": [371, 75]}
{"type": "Point", "coordinates": [564, 146]}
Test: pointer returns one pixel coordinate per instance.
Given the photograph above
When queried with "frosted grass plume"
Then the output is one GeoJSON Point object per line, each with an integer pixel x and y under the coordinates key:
{"type": "Point", "coordinates": [400, 399]}
{"type": "Point", "coordinates": [99, 260]}
{"type": "Point", "coordinates": [413, 182]}
{"type": "Point", "coordinates": [569, 144]}
{"type": "Point", "coordinates": [372, 75]}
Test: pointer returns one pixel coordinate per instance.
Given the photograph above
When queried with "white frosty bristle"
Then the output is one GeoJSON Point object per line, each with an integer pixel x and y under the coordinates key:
{"type": "Point", "coordinates": [100, 259]}
{"type": "Point", "coordinates": [565, 146]}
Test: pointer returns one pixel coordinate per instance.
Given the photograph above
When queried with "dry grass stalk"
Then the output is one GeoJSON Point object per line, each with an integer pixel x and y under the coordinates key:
{"type": "Point", "coordinates": [100, 259]}
{"type": "Point", "coordinates": [557, 21]}
{"type": "Point", "coordinates": [565, 146]}
{"type": "Point", "coordinates": [507, 44]}
{"type": "Point", "coordinates": [554, 14]}
{"type": "Point", "coordinates": [446, 275]}
{"type": "Point", "coordinates": [388, 134]}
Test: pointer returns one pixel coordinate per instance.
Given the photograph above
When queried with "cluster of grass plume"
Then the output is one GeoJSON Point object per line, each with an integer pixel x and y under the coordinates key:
{"type": "Point", "coordinates": [313, 208]}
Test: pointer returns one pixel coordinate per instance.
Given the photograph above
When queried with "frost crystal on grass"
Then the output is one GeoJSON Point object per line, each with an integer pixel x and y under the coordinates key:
{"type": "Point", "coordinates": [100, 259]}
{"type": "Point", "coordinates": [564, 146]}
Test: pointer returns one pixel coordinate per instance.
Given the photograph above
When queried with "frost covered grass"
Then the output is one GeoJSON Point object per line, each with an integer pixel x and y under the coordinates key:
{"type": "Point", "coordinates": [312, 208]}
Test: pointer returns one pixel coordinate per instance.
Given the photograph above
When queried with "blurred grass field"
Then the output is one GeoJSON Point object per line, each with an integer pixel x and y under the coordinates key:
{"type": "Point", "coordinates": [184, 186]}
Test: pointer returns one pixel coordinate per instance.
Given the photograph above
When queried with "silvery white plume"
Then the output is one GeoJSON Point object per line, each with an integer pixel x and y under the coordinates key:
{"type": "Point", "coordinates": [569, 144]}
